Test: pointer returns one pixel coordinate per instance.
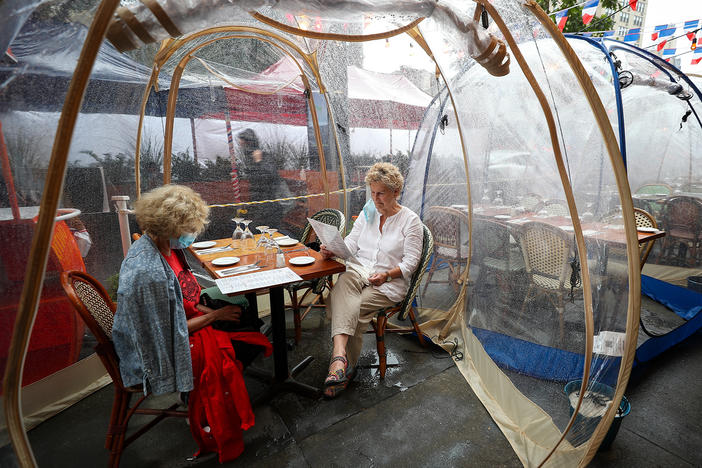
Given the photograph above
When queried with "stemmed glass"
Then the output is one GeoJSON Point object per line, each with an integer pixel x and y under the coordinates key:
{"type": "Point", "coordinates": [238, 233]}
{"type": "Point", "coordinates": [486, 197]}
{"type": "Point", "coordinates": [272, 241]}
{"type": "Point", "coordinates": [498, 201]}
{"type": "Point", "coordinates": [247, 239]}
{"type": "Point", "coordinates": [262, 239]}
{"type": "Point", "coordinates": [270, 248]}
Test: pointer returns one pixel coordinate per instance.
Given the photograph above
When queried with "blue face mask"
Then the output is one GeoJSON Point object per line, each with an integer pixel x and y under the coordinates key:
{"type": "Point", "coordinates": [183, 242]}
{"type": "Point", "coordinates": [369, 210]}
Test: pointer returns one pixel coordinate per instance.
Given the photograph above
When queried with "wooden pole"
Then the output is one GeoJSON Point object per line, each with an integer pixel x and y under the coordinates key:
{"type": "Point", "coordinates": [39, 252]}
{"type": "Point", "coordinates": [7, 175]}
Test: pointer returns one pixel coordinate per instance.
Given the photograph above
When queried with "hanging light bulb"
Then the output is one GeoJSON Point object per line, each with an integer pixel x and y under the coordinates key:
{"type": "Point", "coordinates": [411, 50]}
{"type": "Point", "coordinates": [387, 42]}
{"type": "Point", "coordinates": [693, 45]}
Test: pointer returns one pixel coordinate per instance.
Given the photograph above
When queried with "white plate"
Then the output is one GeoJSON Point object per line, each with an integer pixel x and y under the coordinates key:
{"type": "Point", "coordinates": [647, 229]}
{"type": "Point", "coordinates": [224, 261]}
{"type": "Point", "coordinates": [287, 242]}
{"type": "Point", "coordinates": [503, 217]}
{"type": "Point", "coordinates": [204, 244]}
{"type": "Point", "coordinates": [301, 260]}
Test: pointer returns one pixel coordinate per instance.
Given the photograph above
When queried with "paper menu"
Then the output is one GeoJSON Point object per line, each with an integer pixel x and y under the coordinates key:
{"type": "Point", "coordinates": [331, 238]}
{"type": "Point", "coordinates": [258, 280]}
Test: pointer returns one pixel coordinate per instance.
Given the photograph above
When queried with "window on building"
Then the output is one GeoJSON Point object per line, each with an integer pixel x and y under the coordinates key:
{"type": "Point", "coordinates": [624, 17]}
{"type": "Point", "coordinates": [638, 20]}
{"type": "Point", "coordinates": [621, 32]}
{"type": "Point", "coordinates": [641, 6]}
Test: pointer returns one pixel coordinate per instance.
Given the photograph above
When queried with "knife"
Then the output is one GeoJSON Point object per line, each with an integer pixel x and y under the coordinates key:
{"type": "Point", "coordinates": [213, 250]}
{"type": "Point", "coordinates": [236, 271]}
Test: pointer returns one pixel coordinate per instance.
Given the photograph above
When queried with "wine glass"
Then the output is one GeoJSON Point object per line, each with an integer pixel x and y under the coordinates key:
{"type": "Point", "coordinates": [498, 201]}
{"type": "Point", "coordinates": [272, 241]}
{"type": "Point", "coordinates": [262, 239]}
{"type": "Point", "coordinates": [238, 233]}
{"type": "Point", "coordinates": [486, 197]}
{"type": "Point", "coordinates": [247, 239]}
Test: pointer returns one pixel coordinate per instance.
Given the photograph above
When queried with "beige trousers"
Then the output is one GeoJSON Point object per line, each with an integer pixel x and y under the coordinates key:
{"type": "Point", "coordinates": [353, 306]}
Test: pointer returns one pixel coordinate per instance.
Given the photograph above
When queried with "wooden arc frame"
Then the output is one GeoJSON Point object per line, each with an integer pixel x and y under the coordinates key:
{"type": "Point", "coordinates": [39, 252]}
{"type": "Point", "coordinates": [170, 47]}
{"type": "Point", "coordinates": [615, 158]}
{"type": "Point", "coordinates": [634, 275]}
{"type": "Point", "coordinates": [331, 36]}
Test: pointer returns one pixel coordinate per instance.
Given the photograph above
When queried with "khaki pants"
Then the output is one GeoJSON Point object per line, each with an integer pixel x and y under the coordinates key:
{"type": "Point", "coordinates": [353, 306]}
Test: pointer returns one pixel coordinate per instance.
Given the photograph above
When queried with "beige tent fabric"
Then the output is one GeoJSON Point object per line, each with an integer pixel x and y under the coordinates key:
{"type": "Point", "coordinates": [529, 430]}
{"type": "Point", "coordinates": [670, 274]}
{"type": "Point", "coordinates": [56, 392]}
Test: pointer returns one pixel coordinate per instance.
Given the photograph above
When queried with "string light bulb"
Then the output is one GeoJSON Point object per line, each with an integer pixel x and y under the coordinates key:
{"type": "Point", "coordinates": [387, 42]}
{"type": "Point", "coordinates": [693, 45]}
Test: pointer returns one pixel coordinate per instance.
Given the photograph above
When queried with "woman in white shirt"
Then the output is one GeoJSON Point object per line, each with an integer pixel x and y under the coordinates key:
{"type": "Point", "coordinates": [386, 239]}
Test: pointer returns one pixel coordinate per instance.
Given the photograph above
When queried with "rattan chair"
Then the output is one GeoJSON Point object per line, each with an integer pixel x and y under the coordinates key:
{"type": "Point", "coordinates": [316, 286]}
{"type": "Point", "coordinates": [445, 225]}
{"type": "Point", "coordinates": [682, 220]}
{"type": "Point", "coordinates": [97, 310]}
{"type": "Point", "coordinates": [494, 251]}
{"type": "Point", "coordinates": [556, 208]}
{"type": "Point", "coordinates": [531, 202]}
{"type": "Point", "coordinates": [405, 307]}
{"type": "Point", "coordinates": [547, 250]}
{"type": "Point", "coordinates": [645, 219]}
{"type": "Point", "coordinates": [658, 188]}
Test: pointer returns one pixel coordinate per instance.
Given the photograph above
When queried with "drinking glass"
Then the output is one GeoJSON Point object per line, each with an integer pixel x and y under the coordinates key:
{"type": "Point", "coordinates": [498, 201]}
{"type": "Point", "coordinates": [262, 239]}
{"type": "Point", "coordinates": [486, 197]}
{"type": "Point", "coordinates": [272, 241]}
{"type": "Point", "coordinates": [238, 233]}
{"type": "Point", "coordinates": [269, 252]}
{"type": "Point", "coordinates": [247, 239]}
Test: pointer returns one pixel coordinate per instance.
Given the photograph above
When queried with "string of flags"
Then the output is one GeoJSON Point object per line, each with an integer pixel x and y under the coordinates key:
{"type": "Point", "coordinates": [588, 13]}
{"type": "Point", "coordinates": [661, 33]}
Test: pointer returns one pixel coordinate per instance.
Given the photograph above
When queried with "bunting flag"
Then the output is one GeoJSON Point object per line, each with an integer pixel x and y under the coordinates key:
{"type": "Point", "coordinates": [698, 57]}
{"type": "Point", "coordinates": [632, 4]}
{"type": "Point", "coordinates": [608, 34]}
{"type": "Point", "coordinates": [667, 32]}
{"type": "Point", "coordinates": [690, 35]}
{"type": "Point", "coordinates": [656, 30]}
{"type": "Point", "coordinates": [589, 10]}
{"type": "Point", "coordinates": [669, 52]}
{"type": "Point", "coordinates": [695, 61]}
{"type": "Point", "coordinates": [632, 35]}
{"type": "Point", "coordinates": [691, 24]}
{"type": "Point", "coordinates": [661, 45]}
{"type": "Point", "coordinates": [561, 19]}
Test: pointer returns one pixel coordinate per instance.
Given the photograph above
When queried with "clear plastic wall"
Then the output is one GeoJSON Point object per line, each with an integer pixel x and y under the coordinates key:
{"type": "Point", "coordinates": [534, 274]}
{"type": "Point", "coordinates": [656, 110]}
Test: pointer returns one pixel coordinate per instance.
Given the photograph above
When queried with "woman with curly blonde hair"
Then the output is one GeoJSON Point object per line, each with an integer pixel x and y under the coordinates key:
{"type": "Point", "coordinates": [164, 335]}
{"type": "Point", "coordinates": [387, 240]}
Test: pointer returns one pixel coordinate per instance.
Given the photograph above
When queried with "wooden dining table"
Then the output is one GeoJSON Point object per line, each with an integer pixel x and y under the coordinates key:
{"type": "Point", "coordinates": [603, 234]}
{"type": "Point", "coordinates": [282, 379]}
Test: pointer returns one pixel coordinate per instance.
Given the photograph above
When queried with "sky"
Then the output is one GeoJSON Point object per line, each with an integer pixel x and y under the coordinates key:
{"type": "Point", "coordinates": [669, 12]}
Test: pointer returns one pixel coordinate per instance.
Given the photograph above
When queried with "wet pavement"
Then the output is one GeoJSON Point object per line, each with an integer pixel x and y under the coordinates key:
{"type": "Point", "coordinates": [422, 414]}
